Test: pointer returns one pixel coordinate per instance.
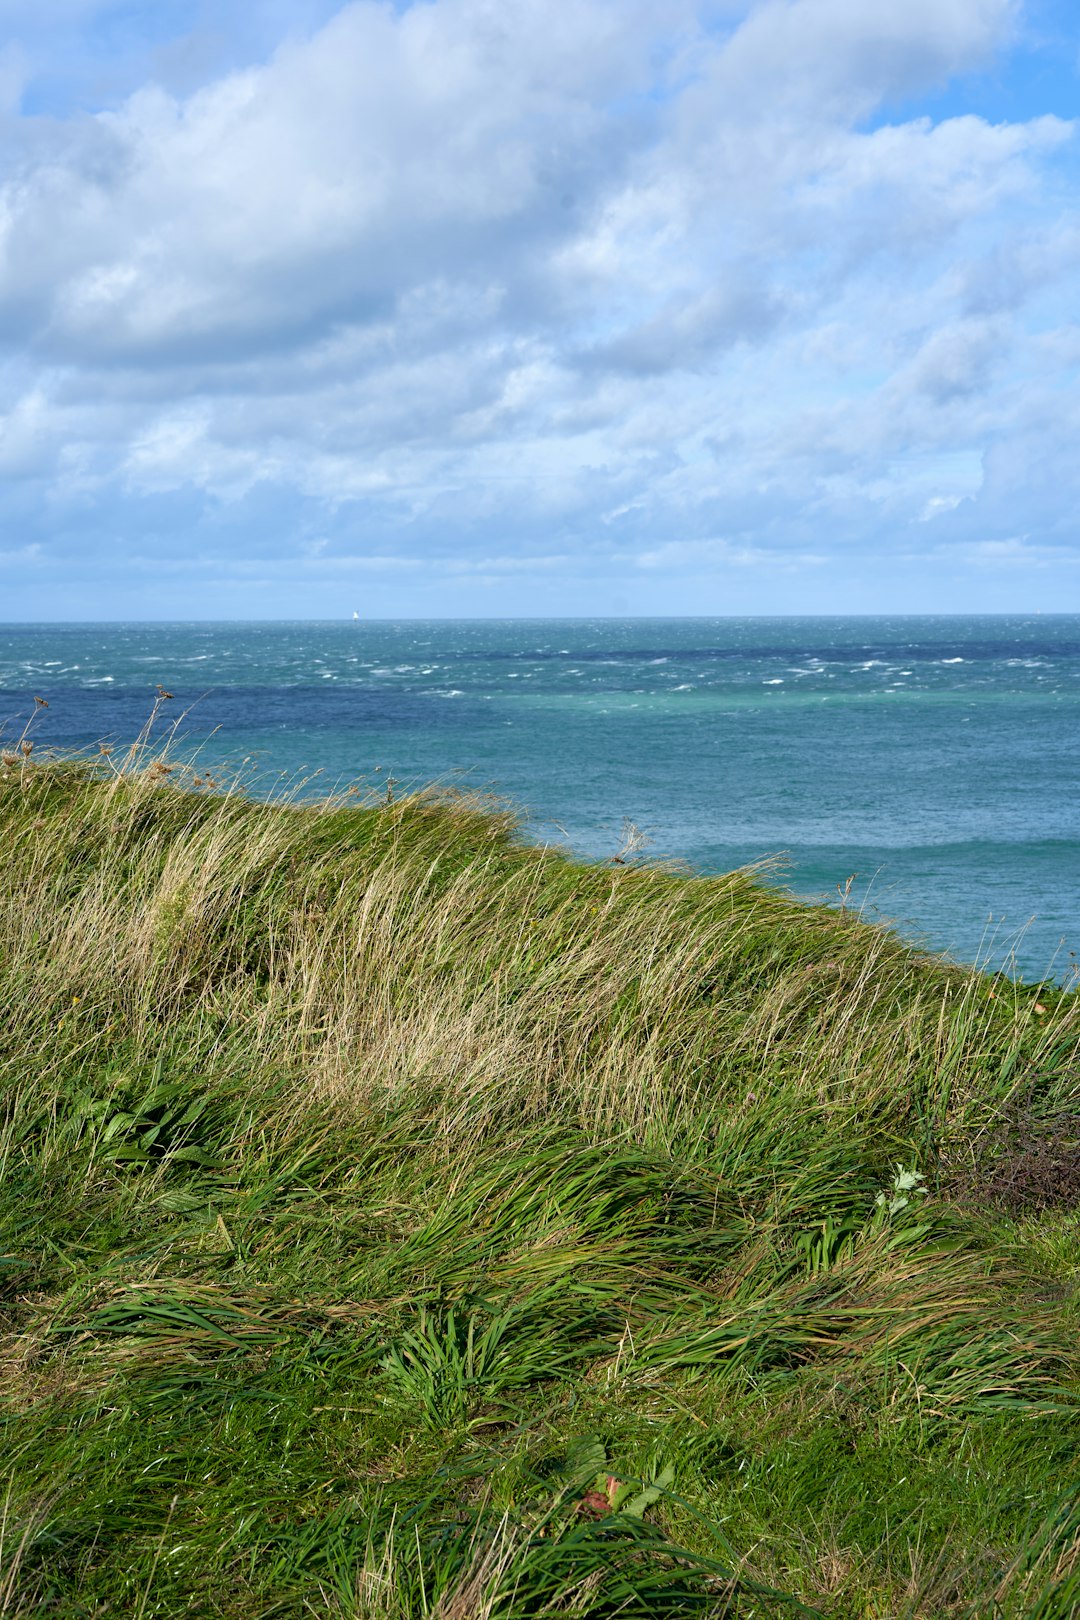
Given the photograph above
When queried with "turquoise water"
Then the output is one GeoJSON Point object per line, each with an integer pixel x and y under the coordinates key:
{"type": "Point", "coordinates": [936, 759]}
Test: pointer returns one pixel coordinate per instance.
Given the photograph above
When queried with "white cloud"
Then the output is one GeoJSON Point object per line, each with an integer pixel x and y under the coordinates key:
{"type": "Point", "coordinates": [829, 59]}
{"type": "Point", "coordinates": [938, 505]}
{"type": "Point", "coordinates": [708, 556]}
{"type": "Point", "coordinates": [958, 359]}
{"type": "Point", "coordinates": [475, 274]}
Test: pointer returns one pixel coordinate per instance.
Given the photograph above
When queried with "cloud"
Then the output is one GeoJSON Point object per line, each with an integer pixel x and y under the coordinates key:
{"type": "Point", "coordinates": [460, 278]}
{"type": "Point", "coordinates": [957, 360]}
{"type": "Point", "coordinates": [706, 556]}
{"type": "Point", "coordinates": [690, 333]}
{"type": "Point", "coordinates": [445, 144]}
{"type": "Point", "coordinates": [839, 59]}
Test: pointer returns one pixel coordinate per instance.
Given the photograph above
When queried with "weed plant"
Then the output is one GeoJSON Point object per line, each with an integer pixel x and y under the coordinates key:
{"type": "Point", "coordinates": [400, 1220]}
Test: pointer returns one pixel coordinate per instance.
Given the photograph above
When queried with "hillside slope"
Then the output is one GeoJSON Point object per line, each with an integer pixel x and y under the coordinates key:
{"type": "Point", "coordinates": [400, 1220]}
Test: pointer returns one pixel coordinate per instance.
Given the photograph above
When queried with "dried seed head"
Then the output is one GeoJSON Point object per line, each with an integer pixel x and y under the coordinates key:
{"type": "Point", "coordinates": [26, 748]}
{"type": "Point", "coordinates": [40, 701]}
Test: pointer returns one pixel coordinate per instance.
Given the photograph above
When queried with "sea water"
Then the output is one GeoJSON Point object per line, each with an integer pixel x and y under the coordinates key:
{"type": "Point", "coordinates": [933, 762]}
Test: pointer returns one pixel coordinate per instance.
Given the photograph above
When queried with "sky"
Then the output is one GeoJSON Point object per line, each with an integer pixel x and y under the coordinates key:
{"type": "Point", "coordinates": [506, 307]}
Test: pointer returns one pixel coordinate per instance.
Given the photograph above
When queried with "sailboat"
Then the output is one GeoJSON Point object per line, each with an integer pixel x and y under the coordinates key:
{"type": "Point", "coordinates": [355, 614]}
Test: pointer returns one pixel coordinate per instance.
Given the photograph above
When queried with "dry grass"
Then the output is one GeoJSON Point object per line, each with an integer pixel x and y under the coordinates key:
{"type": "Point", "coordinates": [364, 1167]}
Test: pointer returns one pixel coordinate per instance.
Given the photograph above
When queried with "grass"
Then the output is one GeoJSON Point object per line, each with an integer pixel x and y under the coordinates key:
{"type": "Point", "coordinates": [399, 1220]}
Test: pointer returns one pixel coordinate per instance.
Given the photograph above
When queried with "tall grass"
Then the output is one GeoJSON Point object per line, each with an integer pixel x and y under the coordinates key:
{"type": "Point", "coordinates": [398, 1219]}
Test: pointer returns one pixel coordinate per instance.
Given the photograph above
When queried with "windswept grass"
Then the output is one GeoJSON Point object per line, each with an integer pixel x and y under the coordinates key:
{"type": "Point", "coordinates": [399, 1220]}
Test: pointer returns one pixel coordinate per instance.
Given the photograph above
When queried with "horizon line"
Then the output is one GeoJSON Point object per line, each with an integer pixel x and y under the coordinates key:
{"type": "Point", "coordinates": [537, 618]}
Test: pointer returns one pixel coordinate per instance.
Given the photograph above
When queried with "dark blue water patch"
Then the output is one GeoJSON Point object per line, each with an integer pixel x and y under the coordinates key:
{"type": "Point", "coordinates": [83, 717]}
{"type": "Point", "coordinates": [935, 652]}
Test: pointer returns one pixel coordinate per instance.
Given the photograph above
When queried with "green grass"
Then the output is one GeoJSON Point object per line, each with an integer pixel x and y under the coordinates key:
{"type": "Point", "coordinates": [399, 1220]}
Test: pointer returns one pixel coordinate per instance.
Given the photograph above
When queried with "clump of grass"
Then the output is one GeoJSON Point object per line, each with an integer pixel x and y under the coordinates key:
{"type": "Point", "coordinates": [387, 1204]}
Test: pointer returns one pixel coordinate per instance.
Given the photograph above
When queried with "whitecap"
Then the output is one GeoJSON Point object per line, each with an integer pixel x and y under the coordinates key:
{"type": "Point", "coordinates": [776, 682]}
{"type": "Point", "coordinates": [952, 660]}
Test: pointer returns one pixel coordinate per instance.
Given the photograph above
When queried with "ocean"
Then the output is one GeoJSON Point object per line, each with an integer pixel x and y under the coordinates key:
{"type": "Point", "coordinates": [926, 769]}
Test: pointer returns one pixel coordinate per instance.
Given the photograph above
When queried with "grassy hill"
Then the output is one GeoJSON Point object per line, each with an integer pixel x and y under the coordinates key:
{"type": "Point", "coordinates": [398, 1220]}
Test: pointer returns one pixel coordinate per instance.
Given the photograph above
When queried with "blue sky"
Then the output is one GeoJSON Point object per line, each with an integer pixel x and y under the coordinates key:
{"type": "Point", "coordinates": [497, 307]}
